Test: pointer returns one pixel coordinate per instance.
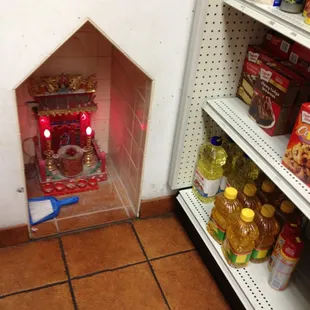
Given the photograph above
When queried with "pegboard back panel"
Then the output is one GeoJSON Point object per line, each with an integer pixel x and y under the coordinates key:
{"type": "Point", "coordinates": [219, 41]}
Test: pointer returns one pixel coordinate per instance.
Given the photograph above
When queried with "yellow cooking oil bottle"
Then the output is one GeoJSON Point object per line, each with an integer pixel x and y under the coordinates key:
{"type": "Point", "coordinates": [245, 172]}
{"type": "Point", "coordinates": [233, 152]}
{"type": "Point", "coordinates": [240, 239]}
{"type": "Point", "coordinates": [268, 228]}
{"type": "Point", "coordinates": [209, 170]}
{"type": "Point", "coordinates": [226, 206]}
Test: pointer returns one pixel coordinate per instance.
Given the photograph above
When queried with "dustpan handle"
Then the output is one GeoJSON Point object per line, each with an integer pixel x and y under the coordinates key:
{"type": "Point", "coordinates": [68, 201]}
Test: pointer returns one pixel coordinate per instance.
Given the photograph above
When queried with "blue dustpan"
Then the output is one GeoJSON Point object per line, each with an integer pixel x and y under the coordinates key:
{"type": "Point", "coordinates": [46, 208]}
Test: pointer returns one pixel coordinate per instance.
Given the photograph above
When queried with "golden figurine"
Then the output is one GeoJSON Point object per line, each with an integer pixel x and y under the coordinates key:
{"type": "Point", "coordinates": [62, 84]}
{"type": "Point", "coordinates": [90, 83]}
{"type": "Point", "coordinates": [51, 83]}
{"type": "Point", "coordinates": [75, 82]}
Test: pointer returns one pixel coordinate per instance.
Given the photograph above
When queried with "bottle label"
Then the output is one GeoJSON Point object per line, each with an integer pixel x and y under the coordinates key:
{"type": "Point", "coordinates": [261, 253]}
{"type": "Point", "coordinates": [205, 187]}
{"type": "Point", "coordinates": [219, 232]}
{"type": "Point", "coordinates": [282, 272]}
{"type": "Point", "coordinates": [275, 253]}
{"type": "Point", "coordinates": [237, 258]}
{"type": "Point", "coordinates": [223, 184]}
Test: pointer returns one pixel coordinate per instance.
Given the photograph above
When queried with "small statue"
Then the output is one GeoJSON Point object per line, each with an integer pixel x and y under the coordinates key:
{"type": "Point", "coordinates": [90, 83]}
{"type": "Point", "coordinates": [51, 83]}
{"type": "Point", "coordinates": [75, 82]}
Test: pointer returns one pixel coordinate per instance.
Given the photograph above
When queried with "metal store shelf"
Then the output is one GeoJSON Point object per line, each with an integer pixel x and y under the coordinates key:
{"type": "Point", "coordinates": [290, 25]}
{"type": "Point", "coordinates": [231, 114]}
{"type": "Point", "coordinates": [251, 283]}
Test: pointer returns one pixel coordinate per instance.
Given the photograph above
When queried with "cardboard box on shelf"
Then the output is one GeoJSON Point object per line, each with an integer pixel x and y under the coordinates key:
{"type": "Point", "coordinates": [254, 57]}
{"type": "Point", "coordinates": [277, 44]}
{"type": "Point", "coordinates": [304, 93]}
{"type": "Point", "coordinates": [297, 154]}
{"type": "Point", "coordinates": [275, 91]}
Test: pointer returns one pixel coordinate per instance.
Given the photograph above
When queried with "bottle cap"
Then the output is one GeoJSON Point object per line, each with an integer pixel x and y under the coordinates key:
{"type": "Point", "coordinates": [247, 215]}
{"type": "Point", "coordinates": [250, 190]}
{"type": "Point", "coordinates": [216, 140]}
{"type": "Point", "coordinates": [230, 193]}
{"type": "Point", "coordinates": [267, 210]}
{"type": "Point", "coordinates": [268, 186]}
{"type": "Point", "coordinates": [287, 207]}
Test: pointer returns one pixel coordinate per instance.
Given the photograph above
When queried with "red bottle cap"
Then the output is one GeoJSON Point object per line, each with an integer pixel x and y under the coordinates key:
{"type": "Point", "coordinates": [290, 230]}
{"type": "Point", "coordinates": [293, 247]}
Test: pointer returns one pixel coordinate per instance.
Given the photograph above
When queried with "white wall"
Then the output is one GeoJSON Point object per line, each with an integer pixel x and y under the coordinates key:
{"type": "Point", "coordinates": [153, 33]}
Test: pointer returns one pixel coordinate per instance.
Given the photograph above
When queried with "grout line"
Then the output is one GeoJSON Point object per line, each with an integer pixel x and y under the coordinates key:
{"type": "Point", "coordinates": [69, 281]}
{"type": "Point", "coordinates": [34, 289]}
{"type": "Point", "coordinates": [151, 267]}
{"type": "Point", "coordinates": [63, 256]}
{"type": "Point", "coordinates": [88, 275]}
{"type": "Point", "coordinates": [172, 254]}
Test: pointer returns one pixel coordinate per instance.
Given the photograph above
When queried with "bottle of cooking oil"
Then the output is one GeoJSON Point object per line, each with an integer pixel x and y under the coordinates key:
{"type": "Point", "coordinates": [268, 228]}
{"type": "Point", "coordinates": [248, 198]}
{"type": "Point", "coordinates": [209, 170]}
{"type": "Point", "coordinates": [266, 194]}
{"type": "Point", "coordinates": [233, 154]}
{"type": "Point", "coordinates": [246, 172]}
{"type": "Point", "coordinates": [240, 239]}
{"type": "Point", "coordinates": [288, 213]}
{"type": "Point", "coordinates": [226, 206]}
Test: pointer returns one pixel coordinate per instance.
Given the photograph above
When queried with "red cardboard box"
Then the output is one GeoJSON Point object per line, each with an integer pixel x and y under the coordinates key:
{"type": "Point", "coordinates": [277, 44]}
{"type": "Point", "coordinates": [275, 92]}
{"type": "Point", "coordinates": [297, 154]}
{"type": "Point", "coordinates": [304, 92]}
{"type": "Point", "coordinates": [254, 57]}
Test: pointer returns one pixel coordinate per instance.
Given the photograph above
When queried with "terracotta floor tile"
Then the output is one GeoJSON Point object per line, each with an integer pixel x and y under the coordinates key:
{"type": "Point", "coordinates": [108, 247]}
{"type": "Point", "coordinates": [163, 235]}
{"type": "Point", "coordinates": [52, 298]}
{"type": "Point", "coordinates": [104, 198]}
{"type": "Point", "coordinates": [93, 219]}
{"type": "Point", "coordinates": [129, 288]}
{"type": "Point", "coordinates": [44, 229]}
{"type": "Point", "coordinates": [30, 265]}
{"type": "Point", "coordinates": [187, 284]}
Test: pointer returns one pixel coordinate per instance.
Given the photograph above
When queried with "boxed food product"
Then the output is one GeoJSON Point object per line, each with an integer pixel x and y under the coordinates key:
{"type": "Point", "coordinates": [254, 57]}
{"type": "Point", "coordinates": [278, 44]}
{"type": "Point", "coordinates": [300, 56]}
{"type": "Point", "coordinates": [304, 93]}
{"type": "Point", "coordinates": [297, 154]}
{"type": "Point", "coordinates": [275, 91]}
